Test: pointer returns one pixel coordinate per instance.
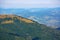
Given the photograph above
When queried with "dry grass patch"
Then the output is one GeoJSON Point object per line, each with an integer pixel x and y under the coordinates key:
{"type": "Point", "coordinates": [7, 22]}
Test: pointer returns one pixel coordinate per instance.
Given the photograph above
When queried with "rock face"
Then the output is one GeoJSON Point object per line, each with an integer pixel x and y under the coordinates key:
{"type": "Point", "coordinates": [14, 27]}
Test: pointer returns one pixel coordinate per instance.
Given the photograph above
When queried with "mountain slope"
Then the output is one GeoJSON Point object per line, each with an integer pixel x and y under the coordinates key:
{"type": "Point", "coordinates": [14, 27]}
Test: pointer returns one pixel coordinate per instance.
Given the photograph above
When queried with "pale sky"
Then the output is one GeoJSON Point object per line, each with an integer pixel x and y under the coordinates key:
{"type": "Point", "coordinates": [29, 3]}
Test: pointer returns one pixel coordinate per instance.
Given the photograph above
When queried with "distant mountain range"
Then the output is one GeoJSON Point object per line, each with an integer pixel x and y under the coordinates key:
{"type": "Point", "coordinates": [41, 15]}
{"type": "Point", "coordinates": [13, 27]}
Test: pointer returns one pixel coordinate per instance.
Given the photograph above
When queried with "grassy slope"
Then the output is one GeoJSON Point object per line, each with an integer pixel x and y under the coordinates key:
{"type": "Point", "coordinates": [23, 30]}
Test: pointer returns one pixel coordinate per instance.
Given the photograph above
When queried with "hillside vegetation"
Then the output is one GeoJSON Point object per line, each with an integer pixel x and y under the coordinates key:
{"type": "Point", "coordinates": [13, 27]}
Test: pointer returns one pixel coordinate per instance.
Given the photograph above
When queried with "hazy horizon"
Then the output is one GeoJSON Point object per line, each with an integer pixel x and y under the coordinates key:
{"type": "Point", "coordinates": [29, 3]}
{"type": "Point", "coordinates": [42, 11]}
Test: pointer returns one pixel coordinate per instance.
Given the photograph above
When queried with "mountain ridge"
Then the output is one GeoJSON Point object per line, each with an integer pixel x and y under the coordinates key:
{"type": "Point", "coordinates": [20, 28]}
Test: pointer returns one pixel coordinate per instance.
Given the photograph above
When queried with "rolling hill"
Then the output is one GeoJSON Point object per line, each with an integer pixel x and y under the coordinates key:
{"type": "Point", "coordinates": [13, 27]}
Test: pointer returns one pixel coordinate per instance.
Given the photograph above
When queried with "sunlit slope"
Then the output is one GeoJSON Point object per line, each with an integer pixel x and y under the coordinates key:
{"type": "Point", "coordinates": [14, 27]}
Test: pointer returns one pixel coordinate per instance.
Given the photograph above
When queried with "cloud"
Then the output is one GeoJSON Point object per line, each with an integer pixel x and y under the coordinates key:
{"type": "Point", "coordinates": [46, 17]}
{"type": "Point", "coordinates": [47, 20]}
{"type": "Point", "coordinates": [31, 17]}
{"type": "Point", "coordinates": [55, 12]}
{"type": "Point", "coordinates": [34, 10]}
{"type": "Point", "coordinates": [35, 19]}
{"type": "Point", "coordinates": [53, 23]}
